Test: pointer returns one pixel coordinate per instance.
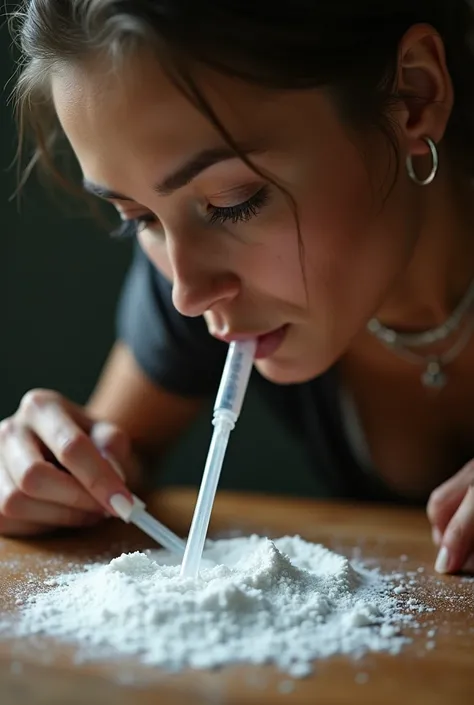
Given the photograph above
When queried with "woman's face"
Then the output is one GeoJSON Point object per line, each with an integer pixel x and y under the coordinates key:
{"type": "Point", "coordinates": [225, 236]}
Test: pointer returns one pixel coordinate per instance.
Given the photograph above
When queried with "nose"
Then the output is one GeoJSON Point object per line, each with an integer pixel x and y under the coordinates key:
{"type": "Point", "coordinates": [199, 285]}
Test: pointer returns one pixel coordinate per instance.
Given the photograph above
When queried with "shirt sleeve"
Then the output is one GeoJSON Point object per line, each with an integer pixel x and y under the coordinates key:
{"type": "Point", "coordinates": [174, 351]}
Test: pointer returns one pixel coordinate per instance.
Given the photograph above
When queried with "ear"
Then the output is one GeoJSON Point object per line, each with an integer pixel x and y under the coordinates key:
{"type": "Point", "coordinates": [425, 88]}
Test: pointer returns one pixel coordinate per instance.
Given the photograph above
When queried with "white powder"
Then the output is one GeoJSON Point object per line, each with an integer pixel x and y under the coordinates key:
{"type": "Point", "coordinates": [285, 602]}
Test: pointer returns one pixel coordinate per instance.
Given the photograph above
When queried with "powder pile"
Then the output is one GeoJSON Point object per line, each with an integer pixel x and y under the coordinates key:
{"type": "Point", "coordinates": [257, 601]}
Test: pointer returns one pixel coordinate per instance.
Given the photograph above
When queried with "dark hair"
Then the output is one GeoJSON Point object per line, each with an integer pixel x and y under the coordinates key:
{"type": "Point", "coordinates": [349, 47]}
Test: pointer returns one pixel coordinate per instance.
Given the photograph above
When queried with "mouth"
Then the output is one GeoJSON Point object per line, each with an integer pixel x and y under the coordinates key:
{"type": "Point", "coordinates": [267, 343]}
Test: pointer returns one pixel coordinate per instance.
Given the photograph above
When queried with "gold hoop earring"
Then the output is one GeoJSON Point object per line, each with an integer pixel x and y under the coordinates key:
{"type": "Point", "coordinates": [434, 167]}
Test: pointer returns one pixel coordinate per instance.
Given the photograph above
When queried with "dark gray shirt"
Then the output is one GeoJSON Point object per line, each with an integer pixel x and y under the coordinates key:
{"type": "Point", "coordinates": [178, 354]}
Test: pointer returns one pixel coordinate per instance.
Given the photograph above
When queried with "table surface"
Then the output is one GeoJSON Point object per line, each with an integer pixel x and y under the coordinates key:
{"type": "Point", "coordinates": [397, 539]}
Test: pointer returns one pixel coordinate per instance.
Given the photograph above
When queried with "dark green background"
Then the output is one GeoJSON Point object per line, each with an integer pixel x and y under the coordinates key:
{"type": "Point", "coordinates": [59, 280]}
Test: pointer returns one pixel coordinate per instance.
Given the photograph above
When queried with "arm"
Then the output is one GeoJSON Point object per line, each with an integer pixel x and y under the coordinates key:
{"type": "Point", "coordinates": [148, 415]}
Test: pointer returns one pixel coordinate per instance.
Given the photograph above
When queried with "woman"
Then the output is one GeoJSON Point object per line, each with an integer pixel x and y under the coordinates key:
{"type": "Point", "coordinates": [299, 172]}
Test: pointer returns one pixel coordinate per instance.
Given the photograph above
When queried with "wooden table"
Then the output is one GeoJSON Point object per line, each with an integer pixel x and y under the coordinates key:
{"type": "Point", "coordinates": [398, 539]}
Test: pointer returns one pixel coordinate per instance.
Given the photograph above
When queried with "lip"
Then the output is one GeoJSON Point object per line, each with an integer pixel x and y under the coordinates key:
{"type": "Point", "coordinates": [267, 343]}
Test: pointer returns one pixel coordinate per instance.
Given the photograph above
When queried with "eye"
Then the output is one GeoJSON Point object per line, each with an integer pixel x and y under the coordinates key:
{"type": "Point", "coordinates": [130, 227]}
{"type": "Point", "coordinates": [242, 212]}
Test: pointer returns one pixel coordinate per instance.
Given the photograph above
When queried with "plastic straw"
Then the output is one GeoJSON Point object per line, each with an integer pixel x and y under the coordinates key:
{"type": "Point", "coordinates": [227, 408]}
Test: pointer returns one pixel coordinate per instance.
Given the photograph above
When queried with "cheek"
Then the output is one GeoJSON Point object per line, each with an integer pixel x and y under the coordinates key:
{"type": "Point", "coordinates": [334, 223]}
{"type": "Point", "coordinates": [268, 264]}
{"type": "Point", "coordinates": [274, 268]}
{"type": "Point", "coordinates": [355, 245]}
{"type": "Point", "coordinates": [338, 213]}
{"type": "Point", "coordinates": [156, 252]}
{"type": "Point", "coordinates": [351, 234]}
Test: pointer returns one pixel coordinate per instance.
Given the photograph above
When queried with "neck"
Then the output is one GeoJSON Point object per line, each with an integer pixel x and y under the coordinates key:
{"type": "Point", "coordinates": [442, 266]}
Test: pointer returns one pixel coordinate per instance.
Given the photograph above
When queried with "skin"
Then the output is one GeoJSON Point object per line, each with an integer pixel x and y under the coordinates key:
{"type": "Point", "coordinates": [406, 255]}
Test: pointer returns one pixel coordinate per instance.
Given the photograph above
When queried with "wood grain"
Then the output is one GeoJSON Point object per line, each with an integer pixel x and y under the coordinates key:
{"type": "Point", "coordinates": [45, 672]}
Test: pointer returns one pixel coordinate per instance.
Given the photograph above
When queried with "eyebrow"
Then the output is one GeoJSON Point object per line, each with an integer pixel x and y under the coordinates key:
{"type": "Point", "coordinates": [183, 175]}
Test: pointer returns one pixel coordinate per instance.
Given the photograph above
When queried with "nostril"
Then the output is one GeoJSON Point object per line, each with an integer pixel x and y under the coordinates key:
{"type": "Point", "coordinates": [215, 320]}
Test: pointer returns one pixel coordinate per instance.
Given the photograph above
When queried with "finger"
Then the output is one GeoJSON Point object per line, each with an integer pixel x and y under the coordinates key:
{"type": "Point", "coordinates": [38, 478]}
{"type": "Point", "coordinates": [111, 439]}
{"type": "Point", "coordinates": [115, 465]}
{"type": "Point", "coordinates": [468, 566]}
{"type": "Point", "coordinates": [76, 452]}
{"type": "Point", "coordinates": [16, 506]}
{"type": "Point", "coordinates": [446, 498]}
{"type": "Point", "coordinates": [13, 528]}
{"type": "Point", "coordinates": [112, 444]}
{"type": "Point", "coordinates": [443, 504]}
{"type": "Point", "coordinates": [437, 536]}
{"type": "Point", "coordinates": [458, 539]}
{"type": "Point", "coordinates": [22, 516]}
{"type": "Point", "coordinates": [116, 447]}
{"type": "Point", "coordinates": [40, 398]}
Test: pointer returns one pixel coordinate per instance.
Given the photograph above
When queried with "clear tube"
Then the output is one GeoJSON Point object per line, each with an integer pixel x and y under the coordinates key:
{"type": "Point", "coordinates": [205, 501]}
{"type": "Point", "coordinates": [235, 378]}
{"type": "Point", "coordinates": [158, 531]}
{"type": "Point", "coordinates": [134, 512]}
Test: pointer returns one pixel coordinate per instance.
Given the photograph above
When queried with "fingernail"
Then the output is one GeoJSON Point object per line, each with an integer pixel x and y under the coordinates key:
{"type": "Point", "coordinates": [468, 566]}
{"type": "Point", "coordinates": [122, 506]}
{"type": "Point", "coordinates": [442, 561]}
{"type": "Point", "coordinates": [114, 464]}
{"type": "Point", "coordinates": [437, 536]}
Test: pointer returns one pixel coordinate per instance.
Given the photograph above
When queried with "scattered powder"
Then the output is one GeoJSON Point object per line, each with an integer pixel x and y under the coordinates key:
{"type": "Point", "coordinates": [286, 602]}
{"type": "Point", "coordinates": [16, 668]}
{"type": "Point", "coordinates": [286, 687]}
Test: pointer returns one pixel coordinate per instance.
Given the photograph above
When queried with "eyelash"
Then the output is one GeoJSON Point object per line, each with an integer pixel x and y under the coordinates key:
{"type": "Point", "coordinates": [129, 228]}
{"type": "Point", "coordinates": [241, 213]}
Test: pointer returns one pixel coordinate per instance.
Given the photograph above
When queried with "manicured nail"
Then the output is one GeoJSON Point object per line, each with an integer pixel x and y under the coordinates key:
{"type": "Point", "coordinates": [437, 536]}
{"type": "Point", "coordinates": [121, 506]}
{"type": "Point", "coordinates": [442, 561]}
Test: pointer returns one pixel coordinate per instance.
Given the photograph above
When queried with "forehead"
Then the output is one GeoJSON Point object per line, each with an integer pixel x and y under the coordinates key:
{"type": "Point", "coordinates": [135, 123]}
{"type": "Point", "coordinates": [139, 102]}
{"type": "Point", "coordinates": [129, 127]}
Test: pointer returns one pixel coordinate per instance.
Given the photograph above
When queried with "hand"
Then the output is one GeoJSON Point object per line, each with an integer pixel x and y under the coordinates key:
{"type": "Point", "coordinates": [451, 513]}
{"type": "Point", "coordinates": [35, 494]}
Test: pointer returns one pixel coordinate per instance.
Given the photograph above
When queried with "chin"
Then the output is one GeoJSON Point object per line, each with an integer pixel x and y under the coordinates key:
{"type": "Point", "coordinates": [281, 371]}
